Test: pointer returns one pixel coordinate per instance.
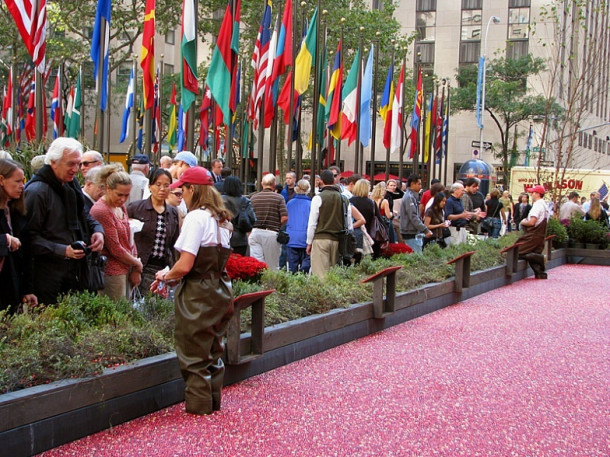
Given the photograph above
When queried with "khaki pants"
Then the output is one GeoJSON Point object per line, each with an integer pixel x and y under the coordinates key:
{"type": "Point", "coordinates": [265, 248]}
{"type": "Point", "coordinates": [115, 287]}
{"type": "Point", "coordinates": [457, 236]}
{"type": "Point", "coordinates": [324, 254]}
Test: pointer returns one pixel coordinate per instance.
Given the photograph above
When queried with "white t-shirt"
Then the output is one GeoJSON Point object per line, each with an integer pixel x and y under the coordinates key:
{"type": "Point", "coordinates": [539, 210]}
{"type": "Point", "coordinates": [200, 229]}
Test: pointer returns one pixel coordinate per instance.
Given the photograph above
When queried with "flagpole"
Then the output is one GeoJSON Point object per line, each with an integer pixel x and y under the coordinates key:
{"type": "Point", "coordinates": [416, 153]}
{"type": "Point", "coordinates": [446, 146]}
{"type": "Point", "coordinates": [40, 110]}
{"type": "Point", "coordinates": [432, 138]}
{"type": "Point", "coordinates": [340, 84]}
{"type": "Point", "coordinates": [391, 102]}
{"type": "Point", "coordinates": [292, 107]}
{"type": "Point", "coordinates": [133, 120]}
{"type": "Point", "coordinates": [402, 124]}
{"type": "Point", "coordinates": [298, 145]}
{"type": "Point", "coordinates": [374, 129]}
{"type": "Point", "coordinates": [107, 129]}
{"type": "Point", "coordinates": [233, 64]}
{"type": "Point", "coordinates": [82, 103]}
{"type": "Point", "coordinates": [316, 101]}
{"type": "Point", "coordinates": [190, 133]}
{"type": "Point", "coordinates": [160, 134]}
{"type": "Point", "coordinates": [99, 143]}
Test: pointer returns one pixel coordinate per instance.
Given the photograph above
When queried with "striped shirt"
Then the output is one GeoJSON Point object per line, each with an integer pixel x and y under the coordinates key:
{"type": "Point", "coordinates": [269, 208]}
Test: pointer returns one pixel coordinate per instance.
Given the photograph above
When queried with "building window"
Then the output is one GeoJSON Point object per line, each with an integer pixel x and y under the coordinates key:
{"type": "Point", "coordinates": [378, 5]}
{"type": "Point", "coordinates": [122, 74]}
{"type": "Point", "coordinates": [470, 52]}
{"type": "Point", "coordinates": [424, 53]}
{"type": "Point", "coordinates": [518, 3]}
{"type": "Point", "coordinates": [471, 24]}
{"type": "Point", "coordinates": [517, 49]}
{"type": "Point", "coordinates": [426, 25]}
{"type": "Point", "coordinates": [168, 69]}
{"type": "Point", "coordinates": [170, 37]}
{"type": "Point", "coordinates": [472, 4]}
{"type": "Point", "coordinates": [518, 23]}
{"type": "Point", "coordinates": [426, 5]}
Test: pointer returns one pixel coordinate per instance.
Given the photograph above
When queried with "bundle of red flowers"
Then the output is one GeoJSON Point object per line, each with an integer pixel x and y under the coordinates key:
{"type": "Point", "coordinates": [391, 249]}
{"type": "Point", "coordinates": [240, 267]}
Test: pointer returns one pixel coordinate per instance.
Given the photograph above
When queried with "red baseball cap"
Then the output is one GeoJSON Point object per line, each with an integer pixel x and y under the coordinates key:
{"type": "Point", "coordinates": [537, 188]}
{"type": "Point", "coordinates": [194, 175]}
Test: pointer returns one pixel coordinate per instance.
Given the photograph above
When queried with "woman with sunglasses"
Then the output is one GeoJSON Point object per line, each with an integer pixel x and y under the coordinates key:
{"type": "Point", "coordinates": [204, 298]}
{"type": "Point", "coordinates": [159, 233]}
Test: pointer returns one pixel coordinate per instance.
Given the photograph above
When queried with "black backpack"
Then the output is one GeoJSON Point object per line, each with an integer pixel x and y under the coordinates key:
{"type": "Point", "coordinates": [242, 220]}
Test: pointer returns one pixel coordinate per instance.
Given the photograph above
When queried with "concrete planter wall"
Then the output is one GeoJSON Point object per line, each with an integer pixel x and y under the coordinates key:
{"type": "Point", "coordinates": [42, 417]}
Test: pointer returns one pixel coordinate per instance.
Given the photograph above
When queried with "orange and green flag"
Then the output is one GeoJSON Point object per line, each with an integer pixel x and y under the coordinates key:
{"type": "Point", "coordinates": [147, 55]}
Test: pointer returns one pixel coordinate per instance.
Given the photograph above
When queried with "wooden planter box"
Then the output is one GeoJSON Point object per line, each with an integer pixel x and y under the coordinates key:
{"type": "Point", "coordinates": [42, 417]}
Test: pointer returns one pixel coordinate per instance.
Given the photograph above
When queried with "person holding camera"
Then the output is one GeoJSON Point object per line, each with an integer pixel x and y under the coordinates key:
{"type": "Point", "coordinates": [123, 264]}
{"type": "Point", "coordinates": [56, 218]}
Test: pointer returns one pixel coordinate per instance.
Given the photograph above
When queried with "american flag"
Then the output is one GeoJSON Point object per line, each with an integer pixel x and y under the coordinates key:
{"type": "Point", "coordinates": [31, 19]}
{"type": "Point", "coordinates": [260, 61]}
{"type": "Point", "coordinates": [603, 192]}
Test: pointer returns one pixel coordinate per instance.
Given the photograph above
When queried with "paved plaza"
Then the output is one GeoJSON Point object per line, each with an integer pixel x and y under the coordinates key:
{"type": "Point", "coordinates": [519, 371]}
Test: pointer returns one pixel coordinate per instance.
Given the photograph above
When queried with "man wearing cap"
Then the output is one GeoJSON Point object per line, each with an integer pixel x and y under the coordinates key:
{"type": "Point", "coordinates": [271, 213]}
{"type": "Point", "coordinates": [140, 166]}
{"type": "Point", "coordinates": [182, 161]}
{"type": "Point", "coordinates": [534, 227]}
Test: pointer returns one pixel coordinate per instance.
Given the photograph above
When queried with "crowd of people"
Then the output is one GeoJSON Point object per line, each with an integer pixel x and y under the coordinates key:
{"type": "Point", "coordinates": [176, 224]}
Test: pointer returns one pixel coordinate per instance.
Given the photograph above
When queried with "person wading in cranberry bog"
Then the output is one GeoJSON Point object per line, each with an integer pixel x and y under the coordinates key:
{"type": "Point", "coordinates": [534, 227]}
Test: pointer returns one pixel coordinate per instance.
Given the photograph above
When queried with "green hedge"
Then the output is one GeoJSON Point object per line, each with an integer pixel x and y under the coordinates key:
{"type": "Point", "coordinates": [85, 333]}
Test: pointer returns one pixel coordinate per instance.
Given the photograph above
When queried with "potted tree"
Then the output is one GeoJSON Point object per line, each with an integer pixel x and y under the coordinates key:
{"type": "Point", "coordinates": [576, 233]}
{"type": "Point", "coordinates": [594, 235]}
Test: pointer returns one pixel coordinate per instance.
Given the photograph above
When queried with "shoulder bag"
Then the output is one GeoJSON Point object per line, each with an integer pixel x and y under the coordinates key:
{"type": "Point", "coordinates": [347, 239]}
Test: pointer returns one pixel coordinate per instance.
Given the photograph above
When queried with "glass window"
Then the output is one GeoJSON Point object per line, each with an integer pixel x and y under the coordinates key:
{"type": "Point", "coordinates": [472, 4]}
{"type": "Point", "coordinates": [426, 24]}
{"type": "Point", "coordinates": [122, 73]}
{"type": "Point", "coordinates": [168, 69]}
{"type": "Point", "coordinates": [517, 3]}
{"type": "Point", "coordinates": [471, 24]}
{"type": "Point", "coordinates": [518, 23]}
{"type": "Point", "coordinates": [425, 5]}
{"type": "Point", "coordinates": [170, 37]}
{"type": "Point", "coordinates": [470, 52]}
{"type": "Point", "coordinates": [516, 49]}
{"type": "Point", "coordinates": [426, 53]}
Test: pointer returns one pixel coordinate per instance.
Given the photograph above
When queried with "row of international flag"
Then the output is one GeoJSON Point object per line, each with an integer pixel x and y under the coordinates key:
{"type": "Point", "coordinates": [344, 106]}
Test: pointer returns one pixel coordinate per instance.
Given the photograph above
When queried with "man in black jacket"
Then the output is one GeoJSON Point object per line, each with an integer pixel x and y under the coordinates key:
{"type": "Point", "coordinates": [56, 218]}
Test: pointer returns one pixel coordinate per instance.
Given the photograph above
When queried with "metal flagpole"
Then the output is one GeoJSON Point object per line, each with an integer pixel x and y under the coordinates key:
{"type": "Point", "coordinates": [374, 107]}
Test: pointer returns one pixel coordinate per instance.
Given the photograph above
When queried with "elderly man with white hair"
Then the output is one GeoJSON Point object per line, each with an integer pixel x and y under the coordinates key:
{"type": "Point", "coordinates": [140, 167]}
{"type": "Point", "coordinates": [89, 160]}
{"type": "Point", "coordinates": [271, 213]}
{"type": "Point", "coordinates": [455, 213]}
{"type": "Point", "coordinates": [57, 220]}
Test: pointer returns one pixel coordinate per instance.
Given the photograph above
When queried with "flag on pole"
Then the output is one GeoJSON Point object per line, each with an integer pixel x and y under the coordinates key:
{"type": "Point", "coordinates": [283, 99]}
{"type": "Point", "coordinates": [140, 121]}
{"type": "Point", "coordinates": [188, 78]}
{"type": "Point", "coordinates": [387, 126]}
{"type": "Point", "coordinates": [437, 122]}
{"type": "Point", "coordinates": [147, 55]}
{"type": "Point", "coordinates": [603, 191]}
{"type": "Point", "coordinates": [219, 74]}
{"type": "Point", "coordinates": [333, 99]}
{"type": "Point", "coordinates": [128, 108]}
{"type": "Point", "coordinates": [306, 56]}
{"type": "Point", "coordinates": [7, 109]}
{"type": "Point", "coordinates": [156, 116]}
{"type": "Point", "coordinates": [350, 100]}
{"type": "Point", "coordinates": [479, 92]}
{"type": "Point", "coordinates": [104, 8]}
{"type": "Point", "coordinates": [172, 128]}
{"type": "Point", "coordinates": [365, 100]}
{"type": "Point", "coordinates": [445, 128]}
{"type": "Point", "coordinates": [283, 53]}
{"type": "Point", "coordinates": [182, 117]}
{"type": "Point", "coordinates": [270, 88]}
{"type": "Point", "coordinates": [416, 117]}
{"type": "Point", "coordinates": [428, 126]}
{"type": "Point", "coordinates": [69, 106]}
{"type": "Point", "coordinates": [396, 118]}
{"type": "Point", "coordinates": [74, 128]}
{"type": "Point", "coordinates": [56, 114]}
{"type": "Point", "coordinates": [260, 61]}
{"type": "Point", "coordinates": [204, 118]}
{"type": "Point", "coordinates": [235, 68]}
{"type": "Point", "coordinates": [30, 117]}
{"type": "Point", "coordinates": [386, 99]}
{"type": "Point", "coordinates": [31, 19]}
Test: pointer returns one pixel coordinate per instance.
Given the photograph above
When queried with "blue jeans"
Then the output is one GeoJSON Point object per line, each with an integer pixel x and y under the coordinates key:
{"type": "Point", "coordinates": [298, 260]}
{"type": "Point", "coordinates": [413, 243]}
{"type": "Point", "coordinates": [497, 226]}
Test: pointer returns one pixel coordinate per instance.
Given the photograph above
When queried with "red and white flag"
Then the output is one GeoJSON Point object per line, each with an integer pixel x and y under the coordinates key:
{"type": "Point", "coordinates": [31, 19]}
{"type": "Point", "coordinates": [7, 105]}
{"type": "Point", "coordinates": [397, 113]}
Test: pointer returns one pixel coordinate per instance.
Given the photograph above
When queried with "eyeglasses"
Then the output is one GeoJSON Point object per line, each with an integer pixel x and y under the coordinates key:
{"type": "Point", "coordinates": [177, 194]}
{"type": "Point", "coordinates": [86, 164]}
{"type": "Point", "coordinates": [159, 185]}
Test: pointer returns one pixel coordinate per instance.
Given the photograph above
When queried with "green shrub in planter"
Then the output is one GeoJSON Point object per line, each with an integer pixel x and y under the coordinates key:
{"type": "Point", "coordinates": [554, 227]}
{"type": "Point", "coordinates": [576, 229]}
{"type": "Point", "coordinates": [595, 233]}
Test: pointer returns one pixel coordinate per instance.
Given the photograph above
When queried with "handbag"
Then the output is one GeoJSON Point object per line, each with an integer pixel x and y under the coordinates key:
{"type": "Point", "coordinates": [378, 231]}
{"type": "Point", "coordinates": [283, 237]}
{"type": "Point", "coordinates": [446, 232]}
{"type": "Point", "coordinates": [92, 271]}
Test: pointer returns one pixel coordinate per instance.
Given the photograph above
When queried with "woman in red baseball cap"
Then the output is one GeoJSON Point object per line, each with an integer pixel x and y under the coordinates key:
{"type": "Point", "coordinates": [204, 297]}
{"type": "Point", "coordinates": [534, 227]}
